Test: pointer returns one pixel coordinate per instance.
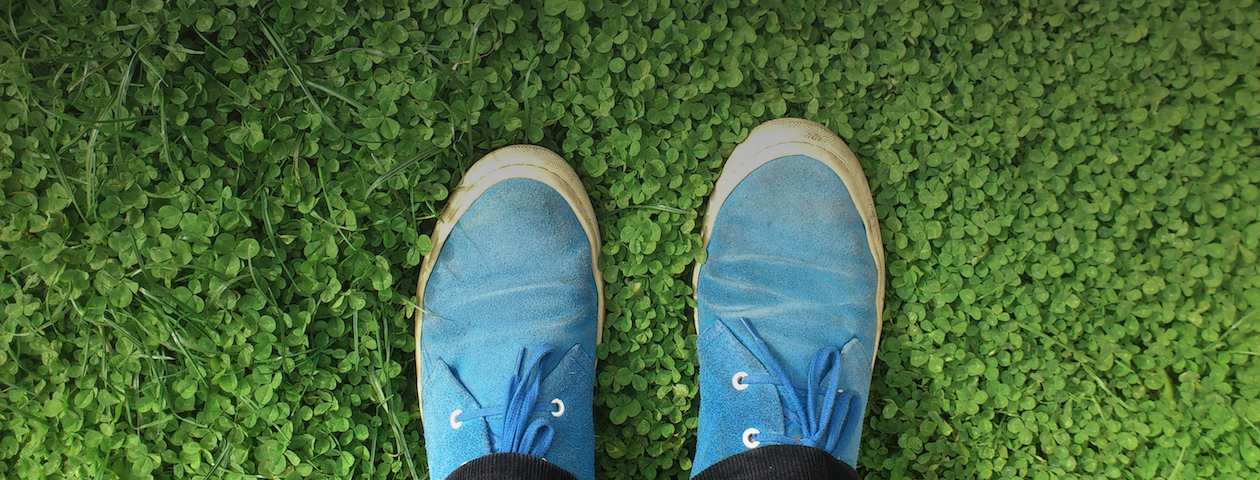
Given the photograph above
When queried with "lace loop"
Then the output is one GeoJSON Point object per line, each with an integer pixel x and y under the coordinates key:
{"type": "Point", "coordinates": [517, 433]}
{"type": "Point", "coordinates": [827, 413]}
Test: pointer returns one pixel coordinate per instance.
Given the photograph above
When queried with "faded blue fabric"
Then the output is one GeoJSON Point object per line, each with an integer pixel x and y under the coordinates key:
{"type": "Point", "coordinates": [788, 254]}
{"type": "Point", "coordinates": [513, 276]}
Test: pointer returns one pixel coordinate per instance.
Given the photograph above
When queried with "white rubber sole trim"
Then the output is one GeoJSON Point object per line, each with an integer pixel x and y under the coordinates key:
{"type": "Point", "coordinates": [793, 136]}
{"type": "Point", "coordinates": [515, 161]}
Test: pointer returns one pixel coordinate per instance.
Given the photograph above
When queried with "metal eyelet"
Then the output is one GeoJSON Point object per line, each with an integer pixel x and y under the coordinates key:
{"type": "Point", "coordinates": [748, 440]}
{"type": "Point", "coordinates": [455, 424]}
{"type": "Point", "coordinates": [737, 381]}
{"type": "Point", "coordinates": [559, 407]}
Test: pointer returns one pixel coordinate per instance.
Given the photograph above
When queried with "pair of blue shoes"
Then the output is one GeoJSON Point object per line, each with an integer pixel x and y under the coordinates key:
{"type": "Point", "coordinates": [788, 306]}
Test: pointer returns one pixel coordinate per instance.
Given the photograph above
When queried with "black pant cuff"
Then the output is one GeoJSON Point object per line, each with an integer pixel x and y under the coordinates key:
{"type": "Point", "coordinates": [510, 466]}
{"type": "Point", "coordinates": [780, 462]}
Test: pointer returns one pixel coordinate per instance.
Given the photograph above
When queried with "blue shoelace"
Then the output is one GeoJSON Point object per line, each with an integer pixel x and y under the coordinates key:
{"type": "Point", "coordinates": [517, 434]}
{"type": "Point", "coordinates": [824, 414]}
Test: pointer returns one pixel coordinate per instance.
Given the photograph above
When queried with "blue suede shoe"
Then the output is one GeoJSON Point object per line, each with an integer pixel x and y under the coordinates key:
{"type": "Point", "coordinates": [511, 307]}
{"type": "Point", "coordinates": [788, 303]}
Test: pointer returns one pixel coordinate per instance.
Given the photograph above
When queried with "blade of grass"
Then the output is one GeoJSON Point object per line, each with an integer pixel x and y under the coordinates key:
{"type": "Point", "coordinates": [144, 60]}
{"type": "Point", "coordinates": [1181, 457]}
{"type": "Point", "coordinates": [284, 56]}
{"type": "Point", "coordinates": [166, 141]}
{"type": "Point", "coordinates": [266, 288]}
{"type": "Point", "coordinates": [339, 96]}
{"type": "Point", "coordinates": [331, 224]}
{"type": "Point", "coordinates": [214, 467]}
{"type": "Point", "coordinates": [370, 51]}
{"type": "Point", "coordinates": [378, 393]}
{"type": "Point", "coordinates": [198, 268]}
{"type": "Point", "coordinates": [423, 155]}
{"type": "Point", "coordinates": [176, 49]}
{"type": "Point", "coordinates": [1089, 370]}
{"type": "Point", "coordinates": [102, 66]}
{"type": "Point", "coordinates": [61, 175]}
{"type": "Point", "coordinates": [271, 230]}
{"type": "Point", "coordinates": [119, 99]}
{"type": "Point", "coordinates": [98, 123]}
{"type": "Point", "coordinates": [218, 292]}
{"type": "Point", "coordinates": [125, 83]}
{"type": "Point", "coordinates": [380, 167]}
{"type": "Point", "coordinates": [297, 151]}
{"type": "Point", "coordinates": [661, 207]}
{"type": "Point", "coordinates": [213, 45]}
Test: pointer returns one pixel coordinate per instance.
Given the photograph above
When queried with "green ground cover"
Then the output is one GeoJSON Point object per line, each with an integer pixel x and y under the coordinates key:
{"type": "Point", "coordinates": [213, 212]}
